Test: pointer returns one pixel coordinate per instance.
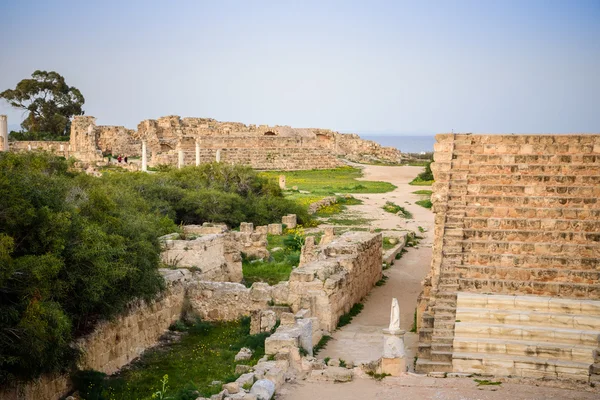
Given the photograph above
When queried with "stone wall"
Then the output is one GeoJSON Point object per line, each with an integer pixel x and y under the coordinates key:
{"type": "Point", "coordinates": [514, 215]}
{"type": "Point", "coordinates": [213, 257]}
{"type": "Point", "coordinates": [115, 343]}
{"type": "Point", "coordinates": [335, 276]}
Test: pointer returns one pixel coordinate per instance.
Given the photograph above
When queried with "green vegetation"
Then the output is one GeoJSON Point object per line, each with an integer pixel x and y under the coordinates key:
{"type": "Point", "coordinates": [204, 354]}
{"type": "Point", "coordinates": [327, 182]}
{"type": "Point", "coordinates": [76, 249]}
{"type": "Point", "coordinates": [348, 221]}
{"type": "Point", "coordinates": [413, 329]}
{"type": "Point", "coordinates": [424, 203]}
{"type": "Point", "coordinates": [342, 363]}
{"type": "Point", "coordinates": [387, 244]}
{"type": "Point", "coordinates": [377, 376]}
{"type": "Point", "coordinates": [425, 178]}
{"type": "Point", "coordinates": [338, 207]}
{"type": "Point", "coordinates": [49, 103]}
{"type": "Point", "coordinates": [424, 192]}
{"type": "Point", "coordinates": [281, 263]}
{"type": "Point", "coordinates": [399, 255]}
{"type": "Point", "coordinates": [396, 209]}
{"type": "Point", "coordinates": [347, 318]}
{"type": "Point", "coordinates": [321, 345]}
{"type": "Point", "coordinates": [485, 382]}
{"type": "Point", "coordinates": [382, 281]}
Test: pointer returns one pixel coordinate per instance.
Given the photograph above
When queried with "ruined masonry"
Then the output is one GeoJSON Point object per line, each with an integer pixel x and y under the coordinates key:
{"type": "Point", "coordinates": [182, 142]}
{"type": "Point", "coordinates": [514, 282]}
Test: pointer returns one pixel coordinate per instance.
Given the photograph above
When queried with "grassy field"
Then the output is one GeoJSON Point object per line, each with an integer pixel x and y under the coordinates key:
{"type": "Point", "coordinates": [419, 182]}
{"type": "Point", "coordinates": [327, 182]}
{"type": "Point", "coordinates": [424, 203]}
{"type": "Point", "coordinates": [205, 354]}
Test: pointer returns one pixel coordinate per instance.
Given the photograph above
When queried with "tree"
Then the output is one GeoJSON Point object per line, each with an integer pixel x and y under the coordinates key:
{"type": "Point", "coordinates": [49, 101]}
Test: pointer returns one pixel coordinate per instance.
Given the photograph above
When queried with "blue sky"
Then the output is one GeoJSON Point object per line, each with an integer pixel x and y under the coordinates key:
{"type": "Point", "coordinates": [417, 67]}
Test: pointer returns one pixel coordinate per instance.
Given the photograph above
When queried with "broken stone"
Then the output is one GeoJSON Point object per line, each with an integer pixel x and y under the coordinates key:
{"type": "Point", "coordinates": [242, 369]}
{"type": "Point", "coordinates": [244, 354]}
{"type": "Point", "coordinates": [245, 379]}
{"type": "Point", "coordinates": [263, 389]}
{"type": "Point", "coordinates": [331, 374]}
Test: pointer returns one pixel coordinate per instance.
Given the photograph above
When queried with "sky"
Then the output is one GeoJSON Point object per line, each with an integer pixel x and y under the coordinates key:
{"type": "Point", "coordinates": [378, 67]}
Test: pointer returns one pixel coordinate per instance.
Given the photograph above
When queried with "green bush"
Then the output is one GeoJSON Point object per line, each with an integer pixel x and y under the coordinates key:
{"type": "Point", "coordinates": [76, 249]}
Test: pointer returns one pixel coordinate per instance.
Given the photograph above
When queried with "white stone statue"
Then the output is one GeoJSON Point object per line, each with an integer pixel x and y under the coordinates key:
{"type": "Point", "coordinates": [395, 316]}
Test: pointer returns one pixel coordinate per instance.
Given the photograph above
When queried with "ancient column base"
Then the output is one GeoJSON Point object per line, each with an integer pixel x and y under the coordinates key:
{"type": "Point", "coordinates": [393, 361]}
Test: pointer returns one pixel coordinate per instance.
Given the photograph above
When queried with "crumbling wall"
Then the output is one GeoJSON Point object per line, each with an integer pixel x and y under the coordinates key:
{"type": "Point", "coordinates": [514, 215]}
{"type": "Point", "coordinates": [336, 276]}
{"type": "Point", "coordinates": [118, 140]}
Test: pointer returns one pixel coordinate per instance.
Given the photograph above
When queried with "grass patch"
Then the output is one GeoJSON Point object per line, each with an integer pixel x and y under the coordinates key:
{"type": "Point", "coordinates": [382, 281]}
{"type": "Point", "coordinates": [413, 329]}
{"type": "Point", "coordinates": [485, 382]}
{"type": "Point", "coordinates": [321, 345]}
{"type": "Point", "coordinates": [347, 318]}
{"type": "Point", "coordinates": [336, 208]}
{"type": "Point", "coordinates": [424, 203]}
{"type": "Point", "coordinates": [377, 376]}
{"type": "Point", "coordinates": [327, 182]}
{"type": "Point", "coordinates": [394, 208]}
{"type": "Point", "coordinates": [349, 221]}
{"type": "Point", "coordinates": [281, 263]}
{"type": "Point", "coordinates": [420, 182]}
{"type": "Point", "coordinates": [191, 364]}
{"type": "Point", "coordinates": [387, 244]}
{"type": "Point", "coordinates": [424, 192]}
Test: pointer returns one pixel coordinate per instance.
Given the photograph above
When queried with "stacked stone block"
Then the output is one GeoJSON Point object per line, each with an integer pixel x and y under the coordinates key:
{"type": "Point", "coordinates": [515, 215]}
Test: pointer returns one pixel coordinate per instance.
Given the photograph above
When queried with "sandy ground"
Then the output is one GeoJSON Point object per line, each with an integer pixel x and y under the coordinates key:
{"type": "Point", "coordinates": [361, 341]}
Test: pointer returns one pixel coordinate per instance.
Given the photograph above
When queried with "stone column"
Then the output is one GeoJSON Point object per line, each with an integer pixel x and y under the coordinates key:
{"type": "Point", "coordinates": [218, 156]}
{"type": "Point", "coordinates": [180, 158]}
{"type": "Point", "coordinates": [197, 153]}
{"type": "Point", "coordinates": [4, 132]}
{"type": "Point", "coordinates": [144, 156]}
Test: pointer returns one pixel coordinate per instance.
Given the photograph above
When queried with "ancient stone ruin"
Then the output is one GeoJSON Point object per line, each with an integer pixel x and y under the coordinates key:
{"type": "Point", "coordinates": [514, 282]}
{"type": "Point", "coordinates": [191, 141]}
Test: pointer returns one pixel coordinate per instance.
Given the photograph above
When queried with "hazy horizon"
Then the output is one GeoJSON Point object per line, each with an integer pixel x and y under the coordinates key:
{"type": "Point", "coordinates": [376, 68]}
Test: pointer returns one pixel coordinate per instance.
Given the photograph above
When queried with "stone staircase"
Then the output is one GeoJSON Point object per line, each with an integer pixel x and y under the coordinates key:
{"type": "Point", "coordinates": [514, 215]}
{"type": "Point", "coordinates": [526, 336]}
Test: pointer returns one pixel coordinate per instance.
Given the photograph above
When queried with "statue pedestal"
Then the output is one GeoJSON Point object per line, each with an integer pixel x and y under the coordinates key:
{"type": "Point", "coordinates": [393, 361]}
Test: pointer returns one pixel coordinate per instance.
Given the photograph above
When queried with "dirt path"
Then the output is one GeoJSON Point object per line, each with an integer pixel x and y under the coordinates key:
{"type": "Point", "coordinates": [361, 341]}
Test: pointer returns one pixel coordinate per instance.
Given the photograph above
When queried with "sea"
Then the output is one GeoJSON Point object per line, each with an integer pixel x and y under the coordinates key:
{"type": "Point", "coordinates": [404, 143]}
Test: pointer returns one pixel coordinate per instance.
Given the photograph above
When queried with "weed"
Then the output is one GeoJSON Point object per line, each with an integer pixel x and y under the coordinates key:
{"type": "Point", "coordinates": [398, 210]}
{"type": "Point", "coordinates": [303, 352]}
{"type": "Point", "coordinates": [377, 376]}
{"type": "Point", "coordinates": [400, 254]}
{"type": "Point", "coordinates": [382, 281]}
{"type": "Point", "coordinates": [421, 229]}
{"type": "Point", "coordinates": [321, 345]}
{"type": "Point", "coordinates": [414, 327]}
{"type": "Point", "coordinates": [424, 203]}
{"type": "Point", "coordinates": [485, 382]}
{"type": "Point", "coordinates": [347, 318]}
{"type": "Point", "coordinates": [424, 192]}
{"type": "Point", "coordinates": [326, 360]}
{"type": "Point", "coordinates": [342, 363]}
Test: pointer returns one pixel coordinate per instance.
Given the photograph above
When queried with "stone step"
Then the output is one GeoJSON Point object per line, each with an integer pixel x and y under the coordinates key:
{"type": "Point", "coordinates": [522, 235]}
{"type": "Point", "coordinates": [425, 366]}
{"type": "Point", "coordinates": [529, 317]}
{"type": "Point", "coordinates": [445, 356]}
{"type": "Point", "coordinates": [441, 347]}
{"type": "Point", "coordinates": [502, 179]}
{"type": "Point", "coordinates": [528, 348]}
{"type": "Point", "coordinates": [522, 366]}
{"type": "Point", "coordinates": [524, 332]}
{"type": "Point", "coordinates": [443, 339]}
{"type": "Point", "coordinates": [542, 288]}
{"type": "Point", "coordinates": [527, 190]}
{"type": "Point", "coordinates": [587, 250]}
{"type": "Point", "coordinates": [530, 224]}
{"type": "Point", "coordinates": [526, 201]}
{"type": "Point", "coordinates": [532, 169]}
{"type": "Point", "coordinates": [547, 304]}
{"type": "Point", "coordinates": [523, 274]}
{"type": "Point", "coordinates": [424, 350]}
{"type": "Point", "coordinates": [501, 211]}
{"type": "Point", "coordinates": [534, 159]}
{"type": "Point", "coordinates": [425, 334]}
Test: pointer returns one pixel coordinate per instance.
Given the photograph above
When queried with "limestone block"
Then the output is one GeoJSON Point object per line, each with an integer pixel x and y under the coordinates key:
{"type": "Point", "coordinates": [246, 227]}
{"type": "Point", "coordinates": [231, 387]}
{"type": "Point", "coordinates": [244, 354]}
{"type": "Point", "coordinates": [263, 389]}
{"type": "Point", "coordinates": [290, 221]}
{"type": "Point", "coordinates": [275, 229]}
{"type": "Point", "coordinates": [393, 366]}
{"type": "Point", "coordinates": [331, 374]}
